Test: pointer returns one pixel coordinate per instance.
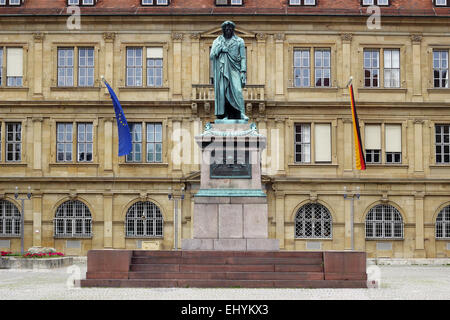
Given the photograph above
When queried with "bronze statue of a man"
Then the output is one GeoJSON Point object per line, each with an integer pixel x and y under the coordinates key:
{"type": "Point", "coordinates": [229, 67]}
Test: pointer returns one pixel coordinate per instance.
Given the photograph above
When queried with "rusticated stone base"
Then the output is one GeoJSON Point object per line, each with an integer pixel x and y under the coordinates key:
{"type": "Point", "coordinates": [231, 244]}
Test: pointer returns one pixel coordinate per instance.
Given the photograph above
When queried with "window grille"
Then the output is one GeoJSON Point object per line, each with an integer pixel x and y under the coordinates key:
{"type": "Point", "coordinates": [13, 141]}
{"type": "Point", "coordinates": [371, 68]}
{"type": "Point", "coordinates": [144, 220]}
{"type": "Point", "coordinates": [64, 142]}
{"type": "Point", "coordinates": [134, 67]}
{"type": "Point", "coordinates": [313, 221]}
{"type": "Point", "coordinates": [440, 68]}
{"type": "Point", "coordinates": [322, 67]}
{"type": "Point", "coordinates": [443, 224]}
{"type": "Point", "coordinates": [384, 222]}
{"type": "Point", "coordinates": [301, 68]}
{"type": "Point", "coordinates": [442, 139]}
{"type": "Point", "coordinates": [10, 220]}
{"type": "Point", "coordinates": [73, 220]}
{"type": "Point", "coordinates": [65, 67]}
{"type": "Point", "coordinates": [86, 67]}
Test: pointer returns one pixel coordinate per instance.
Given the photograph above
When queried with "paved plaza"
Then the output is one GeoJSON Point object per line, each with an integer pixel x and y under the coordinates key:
{"type": "Point", "coordinates": [396, 282]}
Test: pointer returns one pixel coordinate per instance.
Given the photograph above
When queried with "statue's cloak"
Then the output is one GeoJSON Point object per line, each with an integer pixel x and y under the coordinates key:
{"type": "Point", "coordinates": [227, 68]}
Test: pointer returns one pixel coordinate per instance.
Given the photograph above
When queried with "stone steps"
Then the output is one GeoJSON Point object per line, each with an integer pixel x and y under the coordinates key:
{"type": "Point", "coordinates": [225, 269]}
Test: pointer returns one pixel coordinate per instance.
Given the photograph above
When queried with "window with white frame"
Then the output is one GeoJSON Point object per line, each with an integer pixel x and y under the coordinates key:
{"type": "Point", "coordinates": [391, 68]}
{"type": "Point", "coordinates": [302, 68]}
{"type": "Point", "coordinates": [375, 2]}
{"type": "Point", "coordinates": [442, 143]}
{"type": "Point", "coordinates": [73, 2]}
{"type": "Point", "coordinates": [13, 141]}
{"type": "Point", "coordinates": [440, 3]}
{"type": "Point", "coordinates": [372, 137]}
{"type": "Point", "coordinates": [134, 67]}
{"type": "Point", "coordinates": [10, 220]}
{"type": "Point", "coordinates": [155, 66]}
{"type": "Point", "coordinates": [229, 2]}
{"type": "Point", "coordinates": [14, 67]}
{"type": "Point", "coordinates": [86, 67]}
{"type": "Point", "coordinates": [65, 67]}
{"type": "Point", "coordinates": [302, 2]}
{"type": "Point", "coordinates": [88, 2]}
{"type": "Point", "coordinates": [443, 224]}
{"type": "Point", "coordinates": [322, 144]}
{"type": "Point", "coordinates": [2, 2]}
{"type": "Point", "coordinates": [393, 142]}
{"type": "Point", "coordinates": [322, 67]}
{"type": "Point", "coordinates": [64, 141]}
{"type": "Point", "coordinates": [144, 219]}
{"type": "Point", "coordinates": [12, 2]}
{"type": "Point", "coordinates": [440, 68]}
{"type": "Point", "coordinates": [154, 142]}
{"type": "Point", "coordinates": [371, 68]}
{"type": "Point", "coordinates": [84, 142]}
{"type": "Point", "coordinates": [303, 143]}
{"type": "Point", "coordinates": [136, 139]}
{"type": "Point", "coordinates": [313, 221]}
{"type": "Point", "coordinates": [384, 221]}
{"type": "Point", "coordinates": [73, 220]}
{"type": "Point", "coordinates": [155, 2]}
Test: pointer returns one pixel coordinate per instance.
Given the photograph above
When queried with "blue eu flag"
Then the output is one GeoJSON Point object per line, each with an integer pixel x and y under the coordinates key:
{"type": "Point", "coordinates": [125, 145]}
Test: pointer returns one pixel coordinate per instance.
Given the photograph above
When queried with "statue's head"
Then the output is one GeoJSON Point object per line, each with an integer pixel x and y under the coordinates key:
{"type": "Point", "coordinates": [228, 29]}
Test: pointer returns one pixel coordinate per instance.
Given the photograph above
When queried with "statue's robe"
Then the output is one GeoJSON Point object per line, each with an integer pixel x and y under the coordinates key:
{"type": "Point", "coordinates": [227, 67]}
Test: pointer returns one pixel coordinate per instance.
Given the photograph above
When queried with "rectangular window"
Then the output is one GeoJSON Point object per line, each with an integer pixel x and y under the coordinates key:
{"type": "Point", "coordinates": [372, 134]}
{"type": "Point", "coordinates": [84, 142]}
{"type": "Point", "coordinates": [392, 68]}
{"type": "Point", "coordinates": [154, 67]}
{"type": "Point", "coordinates": [322, 143]}
{"type": "Point", "coordinates": [134, 67]}
{"type": "Point", "coordinates": [393, 141]}
{"type": "Point", "coordinates": [301, 68]}
{"type": "Point", "coordinates": [383, 2]}
{"type": "Point", "coordinates": [14, 2]}
{"type": "Point", "coordinates": [309, 2]}
{"type": "Point", "coordinates": [322, 67]}
{"type": "Point", "coordinates": [14, 67]}
{"type": "Point", "coordinates": [88, 2]}
{"type": "Point", "coordinates": [13, 141]}
{"type": "Point", "coordinates": [136, 138]}
{"type": "Point", "coordinates": [302, 2]}
{"type": "Point", "coordinates": [368, 2]}
{"type": "Point", "coordinates": [155, 2]}
{"type": "Point", "coordinates": [65, 67]}
{"type": "Point", "coordinates": [440, 68]}
{"type": "Point", "coordinates": [74, 2]}
{"type": "Point", "coordinates": [441, 2]}
{"type": "Point", "coordinates": [229, 2]}
{"type": "Point", "coordinates": [64, 138]}
{"type": "Point", "coordinates": [154, 142]}
{"type": "Point", "coordinates": [371, 68]}
{"type": "Point", "coordinates": [2, 2]}
{"type": "Point", "coordinates": [147, 2]}
{"type": "Point", "coordinates": [442, 143]}
{"type": "Point", "coordinates": [303, 143]}
{"type": "Point", "coordinates": [86, 67]}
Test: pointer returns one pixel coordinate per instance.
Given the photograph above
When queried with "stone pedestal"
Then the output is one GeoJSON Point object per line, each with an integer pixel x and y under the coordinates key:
{"type": "Point", "coordinates": [230, 209]}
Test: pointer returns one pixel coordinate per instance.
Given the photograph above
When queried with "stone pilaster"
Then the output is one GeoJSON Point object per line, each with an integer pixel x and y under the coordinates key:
{"type": "Point", "coordinates": [38, 64]}
{"type": "Point", "coordinates": [177, 39]}
{"type": "Point", "coordinates": [279, 69]}
{"type": "Point", "coordinates": [419, 213]}
{"type": "Point", "coordinates": [416, 40]}
{"type": "Point", "coordinates": [37, 218]}
{"type": "Point", "coordinates": [261, 41]}
{"type": "Point", "coordinates": [346, 60]}
{"type": "Point", "coordinates": [109, 38]}
{"type": "Point", "coordinates": [107, 219]}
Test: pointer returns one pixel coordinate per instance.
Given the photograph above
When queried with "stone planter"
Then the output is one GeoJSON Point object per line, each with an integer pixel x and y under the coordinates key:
{"type": "Point", "coordinates": [35, 263]}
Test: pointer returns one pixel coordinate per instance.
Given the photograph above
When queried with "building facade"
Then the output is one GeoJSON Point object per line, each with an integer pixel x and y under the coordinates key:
{"type": "Point", "coordinates": [59, 132]}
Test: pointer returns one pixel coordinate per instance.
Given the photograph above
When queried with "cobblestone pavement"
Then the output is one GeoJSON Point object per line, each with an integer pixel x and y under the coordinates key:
{"type": "Point", "coordinates": [396, 282]}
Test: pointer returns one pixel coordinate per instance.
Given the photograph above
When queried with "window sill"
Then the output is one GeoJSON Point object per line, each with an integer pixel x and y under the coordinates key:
{"type": "Point", "coordinates": [10, 236]}
{"type": "Point", "coordinates": [144, 88]}
{"type": "Point", "coordinates": [72, 237]}
{"type": "Point", "coordinates": [144, 237]}
{"type": "Point", "coordinates": [314, 239]}
{"type": "Point", "coordinates": [444, 165]}
{"type": "Point", "coordinates": [63, 164]}
{"type": "Point", "coordinates": [381, 165]}
{"type": "Point", "coordinates": [16, 164]}
{"type": "Point", "coordinates": [439, 90]}
{"type": "Point", "coordinates": [144, 164]}
{"type": "Point", "coordinates": [393, 90]}
{"type": "Point", "coordinates": [14, 88]}
{"type": "Point", "coordinates": [75, 88]}
{"type": "Point", "coordinates": [384, 239]}
{"type": "Point", "coordinates": [313, 89]}
{"type": "Point", "coordinates": [330, 165]}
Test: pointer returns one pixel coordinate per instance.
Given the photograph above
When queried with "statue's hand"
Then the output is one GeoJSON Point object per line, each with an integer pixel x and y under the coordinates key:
{"type": "Point", "coordinates": [243, 79]}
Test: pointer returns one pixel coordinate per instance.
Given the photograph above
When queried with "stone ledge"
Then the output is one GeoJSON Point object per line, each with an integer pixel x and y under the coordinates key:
{"type": "Point", "coordinates": [35, 263]}
{"type": "Point", "coordinates": [408, 262]}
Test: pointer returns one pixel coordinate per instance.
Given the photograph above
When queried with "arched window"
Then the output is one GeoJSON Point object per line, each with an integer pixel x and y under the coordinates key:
{"type": "Point", "coordinates": [384, 222]}
{"type": "Point", "coordinates": [313, 221]}
{"type": "Point", "coordinates": [144, 219]}
{"type": "Point", "coordinates": [10, 221]}
{"type": "Point", "coordinates": [73, 220]}
{"type": "Point", "coordinates": [443, 224]}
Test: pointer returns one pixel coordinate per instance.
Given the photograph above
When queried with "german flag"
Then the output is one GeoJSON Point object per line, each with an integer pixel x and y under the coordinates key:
{"type": "Point", "coordinates": [359, 152]}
